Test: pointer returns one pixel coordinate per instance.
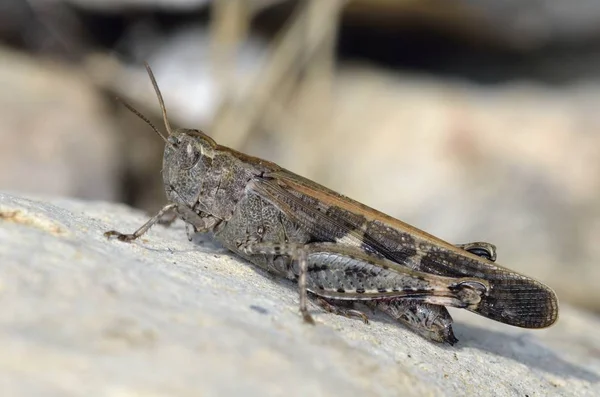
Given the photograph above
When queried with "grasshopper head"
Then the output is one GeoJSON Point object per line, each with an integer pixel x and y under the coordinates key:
{"type": "Point", "coordinates": [188, 156]}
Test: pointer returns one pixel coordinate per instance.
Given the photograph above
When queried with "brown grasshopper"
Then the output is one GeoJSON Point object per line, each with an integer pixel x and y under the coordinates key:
{"type": "Point", "coordinates": [336, 248]}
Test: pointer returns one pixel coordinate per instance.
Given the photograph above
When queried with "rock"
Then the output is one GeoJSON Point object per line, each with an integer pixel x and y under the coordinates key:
{"type": "Point", "coordinates": [55, 132]}
{"type": "Point", "coordinates": [83, 315]}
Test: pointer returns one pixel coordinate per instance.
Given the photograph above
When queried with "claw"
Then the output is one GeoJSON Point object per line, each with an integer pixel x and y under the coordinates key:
{"type": "Point", "coordinates": [448, 336]}
{"type": "Point", "coordinates": [308, 318]}
{"type": "Point", "coordinates": [120, 236]}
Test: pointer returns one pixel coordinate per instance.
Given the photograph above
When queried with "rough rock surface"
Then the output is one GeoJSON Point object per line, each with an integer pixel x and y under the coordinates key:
{"type": "Point", "coordinates": [82, 315]}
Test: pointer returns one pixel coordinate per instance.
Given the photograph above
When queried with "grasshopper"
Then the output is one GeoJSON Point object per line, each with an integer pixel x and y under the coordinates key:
{"type": "Point", "coordinates": [337, 249]}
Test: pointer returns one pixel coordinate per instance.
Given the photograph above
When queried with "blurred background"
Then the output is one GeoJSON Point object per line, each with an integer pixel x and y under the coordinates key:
{"type": "Point", "coordinates": [472, 120]}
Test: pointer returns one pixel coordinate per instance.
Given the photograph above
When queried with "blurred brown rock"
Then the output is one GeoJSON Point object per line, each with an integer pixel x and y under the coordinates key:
{"type": "Point", "coordinates": [54, 131]}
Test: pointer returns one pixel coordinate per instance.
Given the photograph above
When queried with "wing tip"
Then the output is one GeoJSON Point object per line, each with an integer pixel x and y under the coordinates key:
{"type": "Point", "coordinates": [534, 307]}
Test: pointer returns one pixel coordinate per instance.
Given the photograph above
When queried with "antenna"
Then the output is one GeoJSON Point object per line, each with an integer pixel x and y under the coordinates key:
{"type": "Point", "coordinates": [141, 116]}
{"type": "Point", "coordinates": [160, 99]}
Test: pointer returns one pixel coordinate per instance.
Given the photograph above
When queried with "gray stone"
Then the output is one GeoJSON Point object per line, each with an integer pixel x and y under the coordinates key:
{"type": "Point", "coordinates": [83, 315]}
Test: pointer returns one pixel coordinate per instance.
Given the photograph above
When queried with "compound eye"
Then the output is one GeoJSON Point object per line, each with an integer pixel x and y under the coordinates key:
{"type": "Point", "coordinates": [173, 140]}
{"type": "Point", "coordinates": [482, 252]}
{"type": "Point", "coordinates": [190, 158]}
